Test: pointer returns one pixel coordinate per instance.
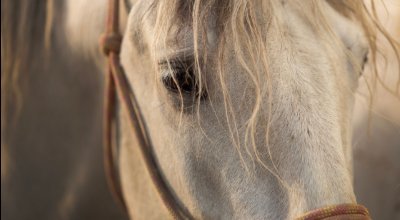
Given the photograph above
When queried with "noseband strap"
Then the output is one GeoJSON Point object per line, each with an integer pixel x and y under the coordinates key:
{"type": "Point", "coordinates": [338, 212]}
{"type": "Point", "coordinates": [118, 86]}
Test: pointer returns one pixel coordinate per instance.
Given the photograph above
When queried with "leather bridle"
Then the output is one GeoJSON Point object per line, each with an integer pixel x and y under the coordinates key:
{"type": "Point", "coordinates": [117, 86]}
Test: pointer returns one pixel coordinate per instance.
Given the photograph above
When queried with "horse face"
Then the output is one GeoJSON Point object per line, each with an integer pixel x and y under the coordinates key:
{"type": "Point", "coordinates": [245, 138]}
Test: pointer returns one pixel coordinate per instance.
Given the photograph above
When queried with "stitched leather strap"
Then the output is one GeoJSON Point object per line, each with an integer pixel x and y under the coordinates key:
{"type": "Point", "coordinates": [338, 212]}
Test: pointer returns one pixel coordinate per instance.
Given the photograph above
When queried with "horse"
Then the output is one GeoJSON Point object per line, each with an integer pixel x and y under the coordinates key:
{"type": "Point", "coordinates": [248, 105]}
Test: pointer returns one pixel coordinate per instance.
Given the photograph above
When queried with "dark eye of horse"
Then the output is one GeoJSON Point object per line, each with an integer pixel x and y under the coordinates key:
{"type": "Point", "coordinates": [179, 77]}
{"type": "Point", "coordinates": [365, 61]}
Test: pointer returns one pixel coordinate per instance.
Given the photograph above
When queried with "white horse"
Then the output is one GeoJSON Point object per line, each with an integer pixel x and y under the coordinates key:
{"type": "Point", "coordinates": [248, 103]}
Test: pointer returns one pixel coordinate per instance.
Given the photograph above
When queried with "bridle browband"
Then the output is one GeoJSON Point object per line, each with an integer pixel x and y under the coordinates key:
{"type": "Point", "coordinates": [117, 85]}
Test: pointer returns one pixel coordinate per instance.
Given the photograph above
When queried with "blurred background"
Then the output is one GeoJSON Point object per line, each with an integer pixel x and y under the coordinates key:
{"type": "Point", "coordinates": [376, 139]}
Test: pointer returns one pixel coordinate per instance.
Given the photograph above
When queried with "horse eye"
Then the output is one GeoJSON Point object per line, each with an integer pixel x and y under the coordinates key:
{"type": "Point", "coordinates": [179, 77]}
{"type": "Point", "coordinates": [365, 61]}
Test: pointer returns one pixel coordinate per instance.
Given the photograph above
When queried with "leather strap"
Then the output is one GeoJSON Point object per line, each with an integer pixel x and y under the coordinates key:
{"type": "Point", "coordinates": [118, 86]}
{"type": "Point", "coordinates": [338, 212]}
